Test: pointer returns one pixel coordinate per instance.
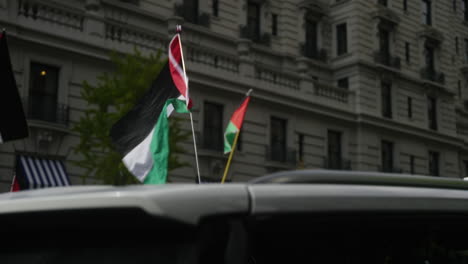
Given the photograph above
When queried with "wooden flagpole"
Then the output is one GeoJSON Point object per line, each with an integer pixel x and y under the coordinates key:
{"type": "Point", "coordinates": [179, 30]}
{"type": "Point", "coordinates": [230, 157]}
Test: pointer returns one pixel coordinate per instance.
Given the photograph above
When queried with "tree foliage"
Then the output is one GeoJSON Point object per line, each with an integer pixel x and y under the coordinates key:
{"type": "Point", "coordinates": [114, 95]}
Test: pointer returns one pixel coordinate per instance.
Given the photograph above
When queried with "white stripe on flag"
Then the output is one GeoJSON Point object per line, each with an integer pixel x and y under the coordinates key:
{"type": "Point", "coordinates": [28, 172]}
{"type": "Point", "coordinates": [56, 174]}
{"type": "Point", "coordinates": [62, 173]}
{"type": "Point", "coordinates": [139, 160]}
{"type": "Point", "coordinates": [169, 110]}
{"type": "Point", "coordinates": [37, 183]}
{"type": "Point", "coordinates": [42, 175]}
{"type": "Point", "coordinates": [49, 174]}
{"type": "Point", "coordinates": [48, 169]}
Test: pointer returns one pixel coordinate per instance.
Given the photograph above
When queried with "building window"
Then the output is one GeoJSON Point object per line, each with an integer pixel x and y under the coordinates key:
{"type": "Point", "coordinates": [456, 45]}
{"type": "Point", "coordinates": [426, 12]}
{"type": "Point", "coordinates": [432, 112]}
{"type": "Point", "coordinates": [411, 164]}
{"type": "Point", "coordinates": [274, 24]}
{"type": "Point", "coordinates": [278, 139]}
{"type": "Point", "coordinates": [215, 7]}
{"type": "Point", "coordinates": [465, 163]}
{"type": "Point", "coordinates": [384, 46]}
{"type": "Point", "coordinates": [410, 107]}
{"type": "Point", "coordinates": [465, 9]}
{"type": "Point", "coordinates": [433, 163]}
{"type": "Point", "coordinates": [334, 150]}
{"type": "Point", "coordinates": [386, 98]}
{"type": "Point", "coordinates": [430, 60]}
{"type": "Point", "coordinates": [459, 89]}
{"type": "Point", "coordinates": [466, 51]}
{"type": "Point", "coordinates": [454, 4]}
{"type": "Point", "coordinates": [343, 83]}
{"type": "Point", "coordinates": [382, 2]}
{"type": "Point", "coordinates": [405, 5]}
{"type": "Point", "coordinates": [387, 156]}
{"type": "Point", "coordinates": [407, 52]}
{"type": "Point", "coordinates": [300, 146]}
{"type": "Point", "coordinates": [43, 89]}
{"type": "Point", "coordinates": [253, 20]}
{"type": "Point", "coordinates": [341, 39]}
{"type": "Point", "coordinates": [212, 127]}
{"type": "Point", "coordinates": [190, 11]}
{"type": "Point", "coordinates": [311, 41]}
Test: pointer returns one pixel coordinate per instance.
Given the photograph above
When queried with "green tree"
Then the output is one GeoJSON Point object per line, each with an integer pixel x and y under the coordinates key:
{"type": "Point", "coordinates": [114, 95]}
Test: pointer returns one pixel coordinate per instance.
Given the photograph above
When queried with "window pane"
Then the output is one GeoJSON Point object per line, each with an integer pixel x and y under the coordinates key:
{"type": "Point", "coordinates": [386, 99]}
{"type": "Point", "coordinates": [432, 112]}
{"type": "Point", "coordinates": [334, 150]}
{"type": "Point", "coordinates": [253, 20]}
{"type": "Point", "coordinates": [278, 139]}
{"type": "Point", "coordinates": [311, 47]}
{"type": "Point", "coordinates": [213, 126]}
{"type": "Point", "coordinates": [43, 89]}
{"type": "Point", "coordinates": [387, 156]}
{"type": "Point", "coordinates": [433, 163]}
{"type": "Point", "coordinates": [341, 37]}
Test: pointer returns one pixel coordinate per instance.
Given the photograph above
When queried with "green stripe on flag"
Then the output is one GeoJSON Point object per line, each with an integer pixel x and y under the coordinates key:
{"type": "Point", "coordinates": [160, 144]}
{"type": "Point", "coordinates": [229, 136]}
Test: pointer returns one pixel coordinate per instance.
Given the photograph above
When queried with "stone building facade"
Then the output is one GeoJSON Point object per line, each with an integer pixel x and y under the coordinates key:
{"type": "Point", "coordinates": [373, 85]}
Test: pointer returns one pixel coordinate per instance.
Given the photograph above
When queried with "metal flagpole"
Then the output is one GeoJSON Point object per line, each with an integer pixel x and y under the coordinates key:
{"type": "Point", "coordinates": [233, 148]}
{"type": "Point", "coordinates": [179, 30]}
{"type": "Point", "coordinates": [230, 157]}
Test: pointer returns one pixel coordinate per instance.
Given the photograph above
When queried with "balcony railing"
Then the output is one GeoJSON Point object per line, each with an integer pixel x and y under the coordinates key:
{"type": "Point", "coordinates": [37, 109]}
{"type": "Point", "coordinates": [432, 75]}
{"type": "Point", "coordinates": [387, 60]}
{"type": "Point", "coordinates": [248, 33]}
{"type": "Point", "coordinates": [341, 164]}
{"type": "Point", "coordinates": [281, 155]}
{"type": "Point", "coordinates": [334, 93]}
{"type": "Point", "coordinates": [52, 13]}
{"type": "Point", "coordinates": [317, 54]}
{"type": "Point", "coordinates": [277, 77]}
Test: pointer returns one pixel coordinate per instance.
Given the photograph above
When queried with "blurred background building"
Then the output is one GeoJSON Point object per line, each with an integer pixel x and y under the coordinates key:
{"type": "Point", "coordinates": [374, 85]}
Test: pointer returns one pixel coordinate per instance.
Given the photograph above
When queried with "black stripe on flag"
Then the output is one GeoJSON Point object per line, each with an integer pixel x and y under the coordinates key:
{"type": "Point", "coordinates": [12, 120]}
{"type": "Point", "coordinates": [134, 126]}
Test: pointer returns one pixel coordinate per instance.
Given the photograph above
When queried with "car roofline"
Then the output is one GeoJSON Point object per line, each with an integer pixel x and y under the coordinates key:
{"type": "Point", "coordinates": [360, 178]}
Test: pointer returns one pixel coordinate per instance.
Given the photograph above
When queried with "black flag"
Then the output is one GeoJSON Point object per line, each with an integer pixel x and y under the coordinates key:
{"type": "Point", "coordinates": [12, 120]}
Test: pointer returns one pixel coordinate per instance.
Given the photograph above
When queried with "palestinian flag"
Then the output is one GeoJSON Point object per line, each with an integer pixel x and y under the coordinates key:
{"type": "Point", "coordinates": [235, 124]}
{"type": "Point", "coordinates": [142, 135]}
{"type": "Point", "coordinates": [13, 123]}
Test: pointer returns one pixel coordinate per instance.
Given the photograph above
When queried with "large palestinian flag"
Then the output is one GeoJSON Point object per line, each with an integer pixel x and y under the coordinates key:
{"type": "Point", "coordinates": [235, 124]}
{"type": "Point", "coordinates": [142, 135]}
{"type": "Point", "coordinates": [13, 123]}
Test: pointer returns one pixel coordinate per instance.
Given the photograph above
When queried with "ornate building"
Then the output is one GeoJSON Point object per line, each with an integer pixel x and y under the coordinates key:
{"type": "Point", "coordinates": [374, 85]}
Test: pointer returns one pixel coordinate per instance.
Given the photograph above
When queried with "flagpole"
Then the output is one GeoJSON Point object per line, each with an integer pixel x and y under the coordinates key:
{"type": "Point", "coordinates": [179, 30]}
{"type": "Point", "coordinates": [230, 157]}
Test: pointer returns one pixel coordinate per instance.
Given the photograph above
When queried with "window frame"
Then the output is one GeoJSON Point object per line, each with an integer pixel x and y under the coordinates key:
{"type": "Point", "coordinates": [386, 99]}
{"type": "Point", "coordinates": [43, 104]}
{"type": "Point", "coordinates": [341, 39]}
{"type": "Point", "coordinates": [213, 131]}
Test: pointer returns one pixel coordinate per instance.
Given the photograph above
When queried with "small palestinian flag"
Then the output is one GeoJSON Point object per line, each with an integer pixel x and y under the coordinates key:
{"type": "Point", "coordinates": [235, 124]}
{"type": "Point", "coordinates": [142, 135]}
{"type": "Point", "coordinates": [13, 123]}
